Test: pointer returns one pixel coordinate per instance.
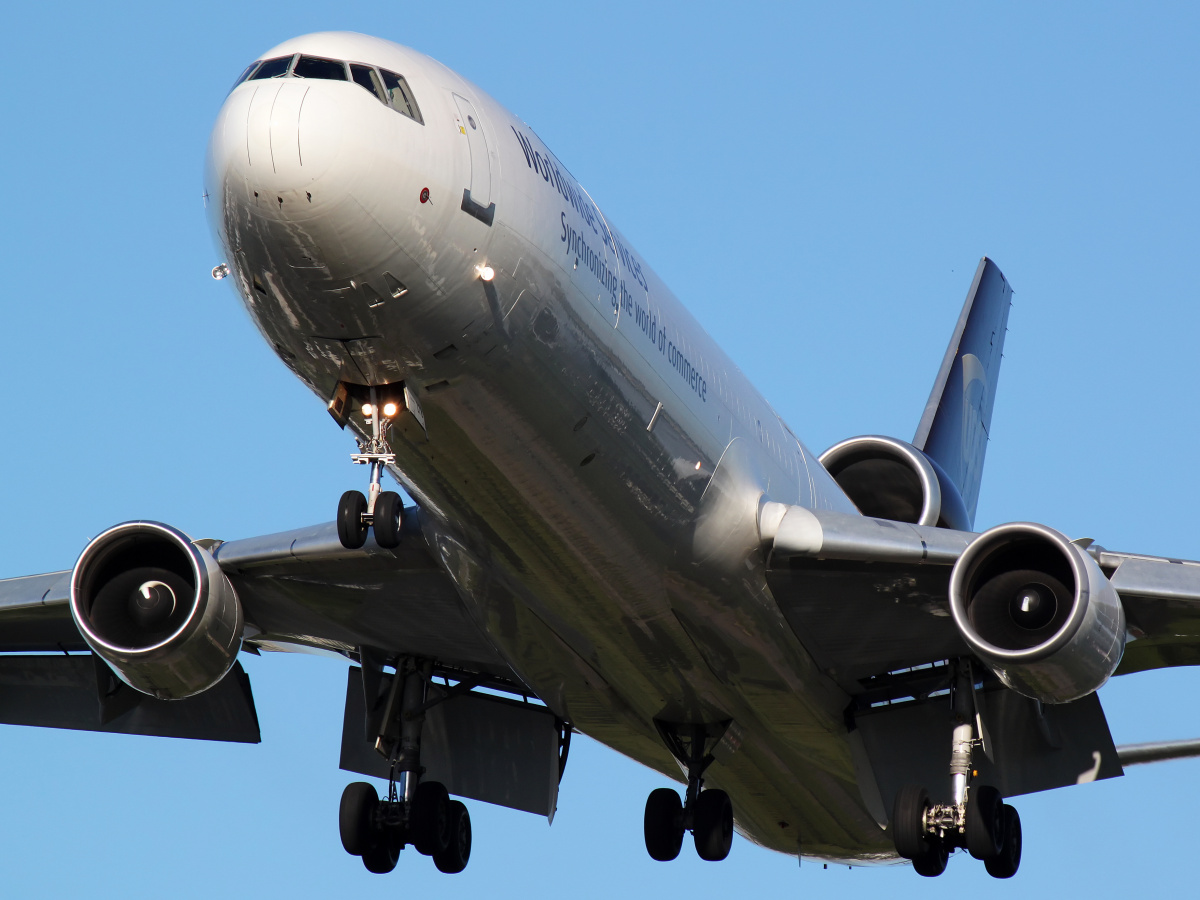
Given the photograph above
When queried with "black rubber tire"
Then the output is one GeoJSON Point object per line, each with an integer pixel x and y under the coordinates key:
{"type": "Point", "coordinates": [429, 818]}
{"type": "Point", "coordinates": [933, 862]}
{"type": "Point", "coordinates": [908, 813]}
{"type": "Point", "coordinates": [382, 855]}
{"type": "Point", "coordinates": [351, 530]}
{"type": "Point", "coordinates": [663, 824]}
{"type": "Point", "coordinates": [388, 518]}
{"type": "Point", "coordinates": [985, 822]}
{"type": "Point", "coordinates": [712, 825]}
{"type": "Point", "coordinates": [355, 817]}
{"type": "Point", "coordinates": [1006, 864]}
{"type": "Point", "coordinates": [458, 850]}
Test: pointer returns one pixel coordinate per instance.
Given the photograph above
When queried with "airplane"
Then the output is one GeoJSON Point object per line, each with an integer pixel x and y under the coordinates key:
{"type": "Point", "coordinates": [613, 534]}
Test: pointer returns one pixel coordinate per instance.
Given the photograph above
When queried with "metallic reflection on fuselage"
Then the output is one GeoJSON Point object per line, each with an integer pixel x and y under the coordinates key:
{"type": "Point", "coordinates": [568, 524]}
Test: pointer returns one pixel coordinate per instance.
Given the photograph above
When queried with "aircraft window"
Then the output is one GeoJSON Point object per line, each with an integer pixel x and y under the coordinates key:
{"type": "Point", "coordinates": [400, 95]}
{"type": "Point", "coordinates": [249, 69]}
{"type": "Point", "coordinates": [366, 77]}
{"type": "Point", "coordinates": [313, 67]}
{"type": "Point", "coordinates": [272, 68]}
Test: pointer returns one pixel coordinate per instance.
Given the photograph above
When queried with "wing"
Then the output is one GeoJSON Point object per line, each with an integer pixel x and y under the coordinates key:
{"type": "Point", "coordinates": [1161, 598]}
{"type": "Point", "coordinates": [866, 596]}
{"type": "Point", "coordinates": [304, 589]}
{"type": "Point", "coordinates": [870, 595]}
{"type": "Point", "coordinates": [300, 590]}
{"type": "Point", "coordinates": [869, 598]}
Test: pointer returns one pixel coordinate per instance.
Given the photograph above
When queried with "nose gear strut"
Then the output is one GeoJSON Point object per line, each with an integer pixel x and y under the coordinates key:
{"type": "Point", "coordinates": [381, 510]}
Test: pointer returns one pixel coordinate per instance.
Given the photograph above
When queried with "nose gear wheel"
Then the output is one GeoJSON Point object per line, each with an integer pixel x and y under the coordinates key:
{"type": "Point", "coordinates": [380, 510]}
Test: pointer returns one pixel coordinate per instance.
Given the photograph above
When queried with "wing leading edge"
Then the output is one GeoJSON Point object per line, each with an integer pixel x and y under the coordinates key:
{"type": "Point", "coordinates": [300, 590]}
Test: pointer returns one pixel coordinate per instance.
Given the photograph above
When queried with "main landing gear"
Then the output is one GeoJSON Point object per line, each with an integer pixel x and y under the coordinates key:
{"type": "Point", "coordinates": [381, 510]}
{"type": "Point", "coordinates": [415, 812]}
{"type": "Point", "coordinates": [707, 814]}
{"type": "Point", "coordinates": [377, 830]}
{"type": "Point", "coordinates": [977, 820]}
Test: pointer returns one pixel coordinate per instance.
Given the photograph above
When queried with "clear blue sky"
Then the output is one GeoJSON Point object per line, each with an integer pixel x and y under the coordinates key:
{"type": "Point", "coordinates": [816, 185]}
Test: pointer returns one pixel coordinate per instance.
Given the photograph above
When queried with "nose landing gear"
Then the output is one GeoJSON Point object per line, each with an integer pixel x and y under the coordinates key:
{"type": "Point", "coordinates": [380, 509]}
{"type": "Point", "coordinates": [977, 820]}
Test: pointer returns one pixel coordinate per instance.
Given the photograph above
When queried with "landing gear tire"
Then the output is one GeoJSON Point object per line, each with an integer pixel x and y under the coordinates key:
{"type": "Point", "coordinates": [933, 863]}
{"type": "Point", "coordinates": [985, 822]}
{"type": "Point", "coordinates": [1006, 863]}
{"type": "Point", "coordinates": [352, 531]}
{"type": "Point", "coordinates": [389, 509]}
{"type": "Point", "coordinates": [355, 817]}
{"type": "Point", "coordinates": [458, 849]}
{"type": "Point", "coordinates": [663, 824]}
{"type": "Point", "coordinates": [712, 825]}
{"type": "Point", "coordinates": [908, 822]}
{"type": "Point", "coordinates": [429, 821]}
{"type": "Point", "coordinates": [383, 854]}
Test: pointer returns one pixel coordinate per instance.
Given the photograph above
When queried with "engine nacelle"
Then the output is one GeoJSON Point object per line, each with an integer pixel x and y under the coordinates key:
{"type": "Point", "coordinates": [156, 608]}
{"type": "Point", "coordinates": [888, 478]}
{"type": "Point", "coordinates": [1038, 611]}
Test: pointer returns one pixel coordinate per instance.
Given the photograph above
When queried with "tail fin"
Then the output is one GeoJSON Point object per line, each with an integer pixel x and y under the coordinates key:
{"type": "Point", "coordinates": [958, 417]}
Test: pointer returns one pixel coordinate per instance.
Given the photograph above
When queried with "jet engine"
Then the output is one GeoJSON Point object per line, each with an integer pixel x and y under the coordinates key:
{"type": "Point", "coordinates": [1038, 611]}
{"type": "Point", "coordinates": [888, 478]}
{"type": "Point", "coordinates": [157, 609]}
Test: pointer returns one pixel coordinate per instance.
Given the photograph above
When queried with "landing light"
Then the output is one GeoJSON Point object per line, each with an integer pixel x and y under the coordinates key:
{"type": "Point", "coordinates": [389, 409]}
{"type": "Point", "coordinates": [487, 273]}
{"type": "Point", "coordinates": [368, 410]}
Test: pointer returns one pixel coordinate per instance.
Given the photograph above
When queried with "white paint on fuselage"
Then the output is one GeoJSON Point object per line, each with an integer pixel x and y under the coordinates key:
{"type": "Point", "coordinates": [340, 174]}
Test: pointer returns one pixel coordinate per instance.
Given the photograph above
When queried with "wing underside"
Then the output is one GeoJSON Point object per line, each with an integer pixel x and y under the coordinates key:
{"type": "Point", "coordinates": [300, 591]}
{"type": "Point", "coordinates": [869, 599]}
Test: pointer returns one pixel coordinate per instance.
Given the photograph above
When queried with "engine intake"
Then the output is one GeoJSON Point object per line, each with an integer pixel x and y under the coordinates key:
{"type": "Point", "coordinates": [1038, 611]}
{"type": "Point", "coordinates": [157, 609]}
{"type": "Point", "coordinates": [888, 478]}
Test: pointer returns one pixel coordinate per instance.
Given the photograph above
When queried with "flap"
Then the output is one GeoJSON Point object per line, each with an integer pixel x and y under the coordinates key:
{"type": "Point", "coordinates": [80, 693]}
{"type": "Point", "coordinates": [1034, 747]}
{"type": "Point", "coordinates": [479, 746]}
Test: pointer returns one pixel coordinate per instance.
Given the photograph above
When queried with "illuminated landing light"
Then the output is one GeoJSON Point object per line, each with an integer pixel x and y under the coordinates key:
{"type": "Point", "coordinates": [487, 273]}
{"type": "Point", "coordinates": [390, 409]}
{"type": "Point", "coordinates": [367, 410]}
{"type": "Point", "coordinates": [697, 465]}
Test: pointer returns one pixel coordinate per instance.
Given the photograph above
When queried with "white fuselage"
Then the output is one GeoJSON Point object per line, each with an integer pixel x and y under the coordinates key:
{"type": "Point", "coordinates": [607, 545]}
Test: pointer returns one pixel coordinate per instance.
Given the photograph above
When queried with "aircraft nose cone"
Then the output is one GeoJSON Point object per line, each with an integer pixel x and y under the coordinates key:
{"type": "Point", "coordinates": [273, 140]}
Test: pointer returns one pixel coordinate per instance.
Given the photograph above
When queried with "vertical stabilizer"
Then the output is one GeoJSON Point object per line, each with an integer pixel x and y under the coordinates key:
{"type": "Point", "coordinates": [958, 417]}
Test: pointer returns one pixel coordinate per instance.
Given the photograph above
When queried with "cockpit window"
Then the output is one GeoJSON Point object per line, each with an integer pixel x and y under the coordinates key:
{"type": "Point", "coordinates": [400, 97]}
{"type": "Point", "coordinates": [249, 69]}
{"type": "Point", "coordinates": [388, 87]}
{"type": "Point", "coordinates": [272, 68]}
{"type": "Point", "coordinates": [315, 67]}
{"type": "Point", "coordinates": [366, 77]}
